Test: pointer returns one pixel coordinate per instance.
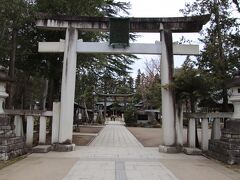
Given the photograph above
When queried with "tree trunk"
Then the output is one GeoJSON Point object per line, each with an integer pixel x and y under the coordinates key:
{"type": "Point", "coordinates": [3, 31]}
{"type": "Point", "coordinates": [221, 58]}
{"type": "Point", "coordinates": [225, 100]}
{"type": "Point", "coordinates": [12, 69]}
{"type": "Point", "coordinates": [45, 92]}
{"type": "Point", "coordinates": [86, 112]}
{"type": "Point", "coordinates": [50, 94]}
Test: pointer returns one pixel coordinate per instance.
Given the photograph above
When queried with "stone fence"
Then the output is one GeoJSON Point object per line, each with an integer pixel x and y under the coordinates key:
{"type": "Point", "coordinates": [36, 115]}
{"type": "Point", "coordinates": [205, 120]}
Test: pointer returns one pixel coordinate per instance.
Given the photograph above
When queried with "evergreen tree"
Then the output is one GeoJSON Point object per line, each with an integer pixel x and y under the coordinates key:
{"type": "Point", "coordinates": [19, 43]}
{"type": "Point", "coordinates": [219, 47]}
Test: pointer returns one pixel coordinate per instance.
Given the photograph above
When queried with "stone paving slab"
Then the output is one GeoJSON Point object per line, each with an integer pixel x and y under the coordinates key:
{"type": "Point", "coordinates": [84, 152]}
{"type": "Point", "coordinates": [148, 170]}
{"type": "Point", "coordinates": [92, 170]}
{"type": "Point", "coordinates": [118, 160]}
{"type": "Point", "coordinates": [115, 135]}
{"type": "Point", "coordinates": [116, 143]}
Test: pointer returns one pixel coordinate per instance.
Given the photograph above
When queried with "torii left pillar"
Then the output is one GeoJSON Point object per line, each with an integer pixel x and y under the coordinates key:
{"type": "Point", "coordinates": [68, 85]}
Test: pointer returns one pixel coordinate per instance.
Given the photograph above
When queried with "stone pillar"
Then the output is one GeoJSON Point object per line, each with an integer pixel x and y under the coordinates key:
{"type": "Point", "coordinates": [18, 125]}
{"type": "Point", "coordinates": [150, 116]}
{"type": "Point", "coordinates": [123, 120]}
{"type": "Point", "coordinates": [55, 121]}
{"type": "Point", "coordinates": [42, 130]}
{"type": "Point", "coordinates": [168, 112]}
{"type": "Point", "coordinates": [216, 129]}
{"type": "Point", "coordinates": [95, 117]}
{"type": "Point", "coordinates": [68, 86]}
{"type": "Point", "coordinates": [204, 145]}
{"type": "Point", "coordinates": [191, 133]}
{"type": "Point", "coordinates": [179, 125]}
{"type": "Point", "coordinates": [29, 135]}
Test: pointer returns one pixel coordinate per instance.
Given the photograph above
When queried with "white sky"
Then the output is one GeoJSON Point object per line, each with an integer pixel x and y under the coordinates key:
{"type": "Point", "coordinates": [157, 8]}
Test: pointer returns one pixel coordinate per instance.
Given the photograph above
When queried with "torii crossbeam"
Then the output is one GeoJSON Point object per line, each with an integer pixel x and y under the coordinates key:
{"type": "Point", "coordinates": [71, 46]}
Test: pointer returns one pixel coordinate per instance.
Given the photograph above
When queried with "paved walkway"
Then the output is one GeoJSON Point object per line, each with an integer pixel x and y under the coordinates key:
{"type": "Point", "coordinates": [115, 135]}
{"type": "Point", "coordinates": [116, 147]}
{"type": "Point", "coordinates": [116, 154]}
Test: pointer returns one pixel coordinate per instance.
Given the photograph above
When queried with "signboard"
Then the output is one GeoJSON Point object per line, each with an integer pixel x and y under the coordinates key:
{"type": "Point", "coordinates": [119, 32]}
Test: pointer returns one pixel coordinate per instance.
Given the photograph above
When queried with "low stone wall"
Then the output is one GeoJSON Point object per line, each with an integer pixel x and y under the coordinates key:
{"type": "Point", "coordinates": [10, 145]}
{"type": "Point", "coordinates": [227, 149]}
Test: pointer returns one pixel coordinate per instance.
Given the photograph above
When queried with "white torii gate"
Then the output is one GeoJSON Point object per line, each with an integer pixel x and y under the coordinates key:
{"type": "Point", "coordinates": [71, 46]}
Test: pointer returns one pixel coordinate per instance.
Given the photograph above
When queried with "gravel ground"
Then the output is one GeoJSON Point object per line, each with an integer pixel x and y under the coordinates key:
{"type": "Point", "coordinates": [152, 137]}
{"type": "Point", "coordinates": [84, 140]}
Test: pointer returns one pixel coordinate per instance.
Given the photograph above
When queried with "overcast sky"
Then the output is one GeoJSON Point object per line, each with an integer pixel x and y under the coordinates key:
{"type": "Point", "coordinates": [158, 8]}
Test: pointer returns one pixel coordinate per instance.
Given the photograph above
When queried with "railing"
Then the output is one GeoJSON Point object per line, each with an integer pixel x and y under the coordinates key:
{"type": "Point", "coordinates": [205, 119]}
{"type": "Point", "coordinates": [36, 115]}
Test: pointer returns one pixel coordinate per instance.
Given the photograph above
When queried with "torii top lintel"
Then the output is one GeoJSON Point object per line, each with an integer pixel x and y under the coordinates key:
{"type": "Point", "coordinates": [174, 24]}
{"type": "Point", "coordinates": [113, 95]}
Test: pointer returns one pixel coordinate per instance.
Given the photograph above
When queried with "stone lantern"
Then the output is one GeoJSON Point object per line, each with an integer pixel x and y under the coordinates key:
{"type": "Point", "coordinates": [234, 97]}
{"type": "Point", "coordinates": [3, 94]}
{"type": "Point", "coordinates": [227, 148]}
{"type": "Point", "coordinates": [11, 145]}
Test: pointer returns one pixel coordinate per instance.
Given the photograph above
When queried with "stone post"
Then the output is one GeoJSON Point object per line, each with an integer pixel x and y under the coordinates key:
{"type": "Point", "coordinates": [55, 121]}
{"type": "Point", "coordinates": [216, 129]}
{"type": "Point", "coordinates": [18, 125]}
{"type": "Point", "coordinates": [42, 130]}
{"type": "Point", "coordinates": [29, 135]}
{"type": "Point", "coordinates": [68, 86]}
{"type": "Point", "coordinates": [123, 120]}
{"type": "Point", "coordinates": [191, 133]}
{"type": "Point", "coordinates": [168, 112]}
{"type": "Point", "coordinates": [204, 144]}
{"type": "Point", "coordinates": [179, 124]}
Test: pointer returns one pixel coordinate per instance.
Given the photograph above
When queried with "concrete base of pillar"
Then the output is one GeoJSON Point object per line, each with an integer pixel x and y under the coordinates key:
{"type": "Point", "coordinates": [63, 147]}
{"type": "Point", "coordinates": [42, 149]}
{"type": "Point", "coordinates": [192, 151]}
{"type": "Point", "coordinates": [170, 149]}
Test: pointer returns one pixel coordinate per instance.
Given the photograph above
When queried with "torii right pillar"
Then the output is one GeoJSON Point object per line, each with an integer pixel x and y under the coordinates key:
{"type": "Point", "coordinates": [168, 105]}
{"type": "Point", "coordinates": [170, 144]}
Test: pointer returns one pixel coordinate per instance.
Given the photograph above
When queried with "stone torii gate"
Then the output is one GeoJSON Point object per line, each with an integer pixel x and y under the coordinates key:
{"type": "Point", "coordinates": [71, 46]}
{"type": "Point", "coordinates": [124, 96]}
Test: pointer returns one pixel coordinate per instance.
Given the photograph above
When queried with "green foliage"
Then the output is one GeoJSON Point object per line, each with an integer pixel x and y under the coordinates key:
{"type": "Point", "coordinates": [99, 72]}
{"type": "Point", "coordinates": [130, 116]}
{"type": "Point", "coordinates": [16, 16]}
{"type": "Point", "coordinates": [19, 16]}
{"type": "Point", "coordinates": [220, 55]}
{"type": "Point", "coordinates": [190, 85]}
